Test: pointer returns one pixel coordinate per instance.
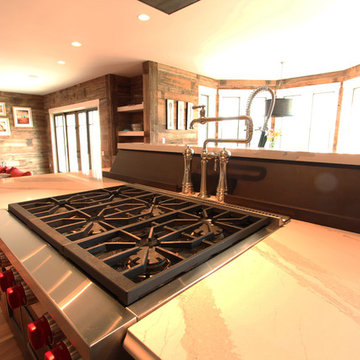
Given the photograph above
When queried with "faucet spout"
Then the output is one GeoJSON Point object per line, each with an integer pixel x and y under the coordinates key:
{"type": "Point", "coordinates": [205, 120]}
{"type": "Point", "coordinates": [249, 131]}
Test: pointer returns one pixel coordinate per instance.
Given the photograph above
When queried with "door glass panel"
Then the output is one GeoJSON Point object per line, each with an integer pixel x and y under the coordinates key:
{"type": "Point", "coordinates": [72, 142]}
{"type": "Point", "coordinates": [84, 143]}
{"type": "Point", "coordinates": [95, 149]}
{"type": "Point", "coordinates": [61, 143]}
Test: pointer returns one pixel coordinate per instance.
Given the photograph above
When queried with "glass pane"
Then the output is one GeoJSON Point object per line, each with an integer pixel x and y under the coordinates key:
{"type": "Point", "coordinates": [84, 144]}
{"type": "Point", "coordinates": [72, 142]}
{"type": "Point", "coordinates": [294, 129]}
{"type": "Point", "coordinates": [353, 140]}
{"type": "Point", "coordinates": [229, 129]}
{"type": "Point", "coordinates": [323, 122]}
{"type": "Point", "coordinates": [313, 124]}
{"type": "Point", "coordinates": [95, 148]}
{"type": "Point", "coordinates": [350, 121]}
{"type": "Point", "coordinates": [61, 143]}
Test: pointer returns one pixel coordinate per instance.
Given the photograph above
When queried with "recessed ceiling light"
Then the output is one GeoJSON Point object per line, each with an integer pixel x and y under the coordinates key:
{"type": "Point", "coordinates": [76, 43]}
{"type": "Point", "coordinates": [143, 17]}
{"type": "Point", "coordinates": [61, 62]}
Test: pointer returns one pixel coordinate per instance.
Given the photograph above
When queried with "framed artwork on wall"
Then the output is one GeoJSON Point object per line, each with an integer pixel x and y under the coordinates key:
{"type": "Point", "coordinates": [170, 114]}
{"type": "Point", "coordinates": [22, 116]}
{"type": "Point", "coordinates": [189, 114]}
{"type": "Point", "coordinates": [4, 127]}
{"type": "Point", "coordinates": [180, 115]}
{"type": "Point", "coordinates": [2, 108]}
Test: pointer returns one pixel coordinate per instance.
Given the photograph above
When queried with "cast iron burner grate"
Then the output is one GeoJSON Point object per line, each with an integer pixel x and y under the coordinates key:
{"type": "Point", "coordinates": [133, 241]}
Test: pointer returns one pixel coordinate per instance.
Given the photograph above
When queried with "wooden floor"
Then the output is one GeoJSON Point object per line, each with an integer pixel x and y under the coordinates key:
{"type": "Point", "coordinates": [9, 349]}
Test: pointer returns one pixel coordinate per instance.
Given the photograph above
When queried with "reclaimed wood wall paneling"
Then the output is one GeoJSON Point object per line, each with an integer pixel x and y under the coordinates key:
{"type": "Point", "coordinates": [26, 148]}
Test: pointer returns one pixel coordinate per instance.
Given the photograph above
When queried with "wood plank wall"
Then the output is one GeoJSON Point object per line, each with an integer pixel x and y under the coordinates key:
{"type": "Point", "coordinates": [136, 90]}
{"type": "Point", "coordinates": [168, 82]}
{"type": "Point", "coordinates": [26, 148]}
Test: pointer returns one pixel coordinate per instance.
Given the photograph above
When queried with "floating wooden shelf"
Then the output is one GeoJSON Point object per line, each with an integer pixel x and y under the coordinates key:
{"type": "Point", "coordinates": [130, 133]}
{"type": "Point", "coordinates": [131, 108]}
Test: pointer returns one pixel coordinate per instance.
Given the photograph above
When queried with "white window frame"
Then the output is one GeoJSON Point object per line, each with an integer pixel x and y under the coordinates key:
{"type": "Point", "coordinates": [69, 108]}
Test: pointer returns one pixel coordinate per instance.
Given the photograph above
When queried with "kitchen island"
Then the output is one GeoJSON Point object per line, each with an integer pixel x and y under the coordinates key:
{"type": "Point", "coordinates": [294, 295]}
{"type": "Point", "coordinates": [313, 187]}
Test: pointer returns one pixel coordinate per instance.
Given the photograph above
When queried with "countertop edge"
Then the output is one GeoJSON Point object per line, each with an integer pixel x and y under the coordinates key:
{"type": "Point", "coordinates": [330, 158]}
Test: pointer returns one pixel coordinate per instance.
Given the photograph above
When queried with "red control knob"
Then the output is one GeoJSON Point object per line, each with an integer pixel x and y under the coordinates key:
{"type": "Point", "coordinates": [44, 331]}
{"type": "Point", "coordinates": [39, 333]}
{"type": "Point", "coordinates": [7, 279]}
{"type": "Point", "coordinates": [19, 295]}
{"type": "Point", "coordinates": [62, 351]}
{"type": "Point", "coordinates": [16, 296]}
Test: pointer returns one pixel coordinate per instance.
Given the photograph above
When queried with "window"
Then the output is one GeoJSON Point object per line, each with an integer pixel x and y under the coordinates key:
{"type": "Point", "coordinates": [233, 103]}
{"type": "Point", "coordinates": [312, 127]}
{"type": "Point", "coordinates": [348, 141]}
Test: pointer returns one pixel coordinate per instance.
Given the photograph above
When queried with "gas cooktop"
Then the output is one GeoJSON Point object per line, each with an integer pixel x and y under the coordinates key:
{"type": "Point", "coordinates": [133, 240]}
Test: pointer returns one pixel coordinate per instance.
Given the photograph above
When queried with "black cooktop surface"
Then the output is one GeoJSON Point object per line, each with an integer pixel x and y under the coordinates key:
{"type": "Point", "coordinates": [133, 240]}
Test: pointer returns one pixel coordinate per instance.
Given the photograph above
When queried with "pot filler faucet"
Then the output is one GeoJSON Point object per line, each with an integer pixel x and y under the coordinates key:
{"type": "Point", "coordinates": [223, 156]}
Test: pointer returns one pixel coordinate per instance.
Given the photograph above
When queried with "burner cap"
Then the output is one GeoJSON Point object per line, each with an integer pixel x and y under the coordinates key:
{"type": "Point", "coordinates": [156, 262]}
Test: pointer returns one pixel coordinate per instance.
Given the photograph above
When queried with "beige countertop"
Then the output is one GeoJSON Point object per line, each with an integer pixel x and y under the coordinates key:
{"type": "Point", "coordinates": [331, 158]}
{"type": "Point", "coordinates": [39, 186]}
{"type": "Point", "coordinates": [295, 295]}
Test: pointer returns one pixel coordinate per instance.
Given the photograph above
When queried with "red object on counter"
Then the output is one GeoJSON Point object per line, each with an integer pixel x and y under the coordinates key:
{"type": "Point", "coordinates": [59, 352]}
{"type": "Point", "coordinates": [15, 172]}
{"type": "Point", "coordinates": [16, 296]}
{"type": "Point", "coordinates": [39, 333]}
{"type": "Point", "coordinates": [7, 280]}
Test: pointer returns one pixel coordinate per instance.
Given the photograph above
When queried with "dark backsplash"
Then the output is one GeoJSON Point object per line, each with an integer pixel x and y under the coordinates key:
{"type": "Point", "coordinates": [320, 193]}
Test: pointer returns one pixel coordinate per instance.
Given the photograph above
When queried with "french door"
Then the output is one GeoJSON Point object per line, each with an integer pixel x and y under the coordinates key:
{"type": "Point", "coordinates": [77, 141]}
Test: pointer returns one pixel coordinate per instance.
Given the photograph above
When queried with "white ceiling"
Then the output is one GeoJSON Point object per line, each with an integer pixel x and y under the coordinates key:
{"type": "Point", "coordinates": [222, 39]}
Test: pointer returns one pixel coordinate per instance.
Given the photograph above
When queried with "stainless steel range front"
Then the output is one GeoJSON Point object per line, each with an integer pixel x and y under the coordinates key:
{"type": "Point", "coordinates": [121, 252]}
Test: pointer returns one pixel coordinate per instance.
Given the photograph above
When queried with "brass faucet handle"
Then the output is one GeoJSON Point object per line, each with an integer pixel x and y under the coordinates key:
{"type": "Point", "coordinates": [224, 155]}
{"type": "Point", "coordinates": [202, 109]}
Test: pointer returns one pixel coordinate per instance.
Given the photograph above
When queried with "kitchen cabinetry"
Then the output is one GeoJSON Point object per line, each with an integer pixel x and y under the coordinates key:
{"type": "Point", "coordinates": [130, 127]}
